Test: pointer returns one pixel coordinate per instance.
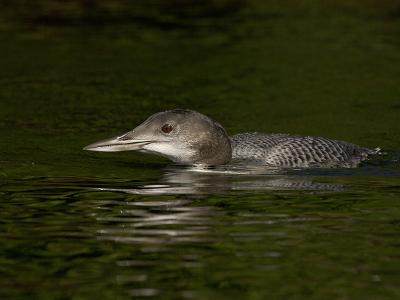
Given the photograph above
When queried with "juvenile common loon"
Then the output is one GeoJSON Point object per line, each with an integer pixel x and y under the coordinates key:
{"type": "Point", "coordinates": [188, 137]}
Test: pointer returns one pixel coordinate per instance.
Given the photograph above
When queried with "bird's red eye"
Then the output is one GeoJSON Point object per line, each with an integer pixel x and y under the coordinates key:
{"type": "Point", "coordinates": [167, 128]}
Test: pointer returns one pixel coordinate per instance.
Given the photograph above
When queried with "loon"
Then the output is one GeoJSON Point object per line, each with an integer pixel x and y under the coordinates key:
{"type": "Point", "coordinates": [189, 137]}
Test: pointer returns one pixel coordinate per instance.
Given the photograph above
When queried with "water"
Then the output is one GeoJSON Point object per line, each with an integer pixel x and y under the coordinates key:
{"type": "Point", "coordinates": [80, 225]}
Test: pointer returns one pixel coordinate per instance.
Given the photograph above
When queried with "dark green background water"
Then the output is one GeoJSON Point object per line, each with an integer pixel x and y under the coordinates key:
{"type": "Point", "coordinates": [78, 225]}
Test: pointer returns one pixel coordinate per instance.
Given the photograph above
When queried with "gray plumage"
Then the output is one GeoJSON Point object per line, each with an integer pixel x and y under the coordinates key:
{"type": "Point", "coordinates": [188, 137]}
{"type": "Point", "coordinates": [289, 151]}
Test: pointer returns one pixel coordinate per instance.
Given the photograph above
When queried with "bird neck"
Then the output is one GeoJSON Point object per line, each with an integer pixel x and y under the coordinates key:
{"type": "Point", "coordinates": [214, 149]}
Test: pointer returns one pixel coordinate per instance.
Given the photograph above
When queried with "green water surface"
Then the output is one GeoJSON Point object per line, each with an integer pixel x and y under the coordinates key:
{"type": "Point", "coordinates": [80, 225]}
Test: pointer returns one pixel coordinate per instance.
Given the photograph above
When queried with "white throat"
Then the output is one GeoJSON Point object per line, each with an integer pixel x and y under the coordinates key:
{"type": "Point", "coordinates": [175, 152]}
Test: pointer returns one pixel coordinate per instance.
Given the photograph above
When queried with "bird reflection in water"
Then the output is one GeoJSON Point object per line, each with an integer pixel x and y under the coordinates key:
{"type": "Point", "coordinates": [140, 220]}
{"type": "Point", "coordinates": [199, 181]}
